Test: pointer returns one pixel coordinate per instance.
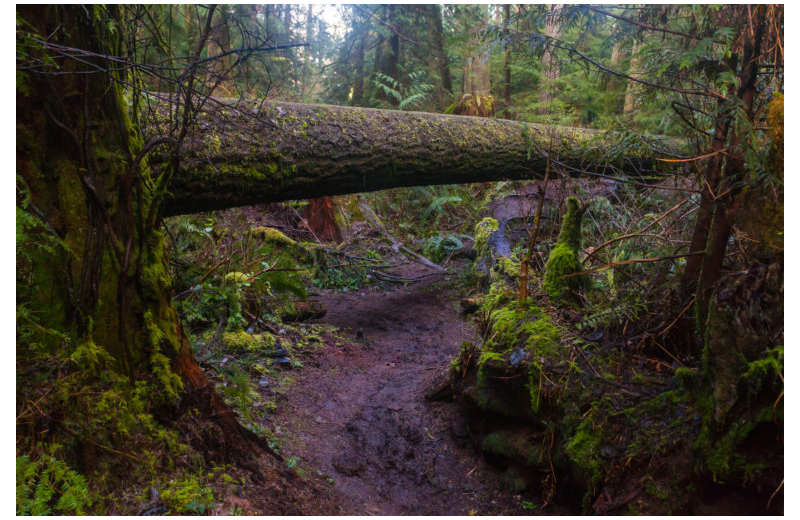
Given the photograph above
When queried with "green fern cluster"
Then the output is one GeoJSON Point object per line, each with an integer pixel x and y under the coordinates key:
{"type": "Point", "coordinates": [187, 495]}
{"type": "Point", "coordinates": [47, 486]}
{"type": "Point", "coordinates": [436, 248]}
{"type": "Point", "coordinates": [408, 96]}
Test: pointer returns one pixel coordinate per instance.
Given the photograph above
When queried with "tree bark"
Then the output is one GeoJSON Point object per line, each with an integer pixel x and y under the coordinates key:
{"type": "Point", "coordinates": [633, 90]}
{"type": "Point", "coordinates": [259, 153]}
{"type": "Point", "coordinates": [507, 62]}
{"type": "Point", "coordinates": [110, 284]}
{"type": "Point", "coordinates": [550, 67]}
{"type": "Point", "coordinates": [437, 31]}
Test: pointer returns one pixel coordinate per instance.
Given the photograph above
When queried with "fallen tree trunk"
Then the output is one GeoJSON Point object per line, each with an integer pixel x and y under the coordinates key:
{"type": "Point", "coordinates": [242, 153]}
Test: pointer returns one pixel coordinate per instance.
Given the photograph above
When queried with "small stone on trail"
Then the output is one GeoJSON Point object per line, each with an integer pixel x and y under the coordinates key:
{"type": "Point", "coordinates": [284, 362]}
{"type": "Point", "coordinates": [319, 420]}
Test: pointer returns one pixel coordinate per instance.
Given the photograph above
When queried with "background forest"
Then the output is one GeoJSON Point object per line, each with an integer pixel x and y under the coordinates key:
{"type": "Point", "coordinates": [625, 289]}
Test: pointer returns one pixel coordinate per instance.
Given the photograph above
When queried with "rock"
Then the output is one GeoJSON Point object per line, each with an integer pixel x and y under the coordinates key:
{"type": "Point", "coordinates": [518, 356]}
{"type": "Point", "coordinates": [279, 352]}
{"type": "Point", "coordinates": [284, 362]}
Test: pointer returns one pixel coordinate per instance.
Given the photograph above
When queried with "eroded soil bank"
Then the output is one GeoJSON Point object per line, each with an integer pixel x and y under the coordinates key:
{"type": "Point", "coordinates": [358, 412]}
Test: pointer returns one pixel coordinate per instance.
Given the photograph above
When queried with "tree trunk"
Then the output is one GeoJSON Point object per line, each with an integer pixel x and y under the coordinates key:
{"type": "Point", "coordinates": [110, 284]}
{"type": "Point", "coordinates": [476, 98]}
{"type": "Point", "coordinates": [507, 62]}
{"type": "Point", "coordinates": [634, 90]}
{"type": "Point", "coordinates": [550, 67]}
{"type": "Point", "coordinates": [358, 81]}
{"type": "Point", "coordinates": [437, 31]}
{"type": "Point", "coordinates": [296, 151]}
{"type": "Point", "coordinates": [307, 84]}
{"type": "Point", "coordinates": [219, 42]}
{"type": "Point", "coordinates": [321, 219]}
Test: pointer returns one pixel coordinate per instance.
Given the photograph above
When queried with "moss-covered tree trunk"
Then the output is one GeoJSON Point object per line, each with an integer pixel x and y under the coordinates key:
{"type": "Point", "coordinates": [79, 157]}
{"type": "Point", "coordinates": [251, 153]}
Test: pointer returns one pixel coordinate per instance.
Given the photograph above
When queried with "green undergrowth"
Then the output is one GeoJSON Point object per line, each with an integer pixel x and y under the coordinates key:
{"type": "Point", "coordinates": [576, 368]}
{"type": "Point", "coordinates": [596, 419]}
{"type": "Point", "coordinates": [83, 425]}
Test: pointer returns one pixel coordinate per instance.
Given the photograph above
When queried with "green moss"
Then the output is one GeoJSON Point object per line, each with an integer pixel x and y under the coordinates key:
{"type": "Point", "coordinates": [510, 267]}
{"type": "Point", "coordinates": [235, 278]}
{"type": "Point", "coordinates": [688, 377]}
{"type": "Point", "coordinates": [522, 339]}
{"type": "Point", "coordinates": [523, 325]}
{"type": "Point", "coordinates": [517, 446]}
{"type": "Point", "coordinates": [582, 450]}
{"type": "Point", "coordinates": [767, 369]}
{"type": "Point", "coordinates": [570, 233]}
{"type": "Point", "coordinates": [171, 383]}
{"type": "Point", "coordinates": [240, 341]}
{"type": "Point", "coordinates": [155, 271]}
{"type": "Point", "coordinates": [563, 260]}
{"type": "Point", "coordinates": [271, 236]}
{"type": "Point", "coordinates": [492, 359]}
{"type": "Point", "coordinates": [483, 230]}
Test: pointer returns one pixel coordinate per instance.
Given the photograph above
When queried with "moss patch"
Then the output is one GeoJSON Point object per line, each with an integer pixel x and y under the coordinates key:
{"type": "Point", "coordinates": [271, 236]}
{"type": "Point", "coordinates": [563, 261]}
{"type": "Point", "coordinates": [240, 341]}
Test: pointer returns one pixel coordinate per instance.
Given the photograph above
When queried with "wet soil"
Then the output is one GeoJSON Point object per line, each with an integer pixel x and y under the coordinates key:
{"type": "Point", "coordinates": [358, 412]}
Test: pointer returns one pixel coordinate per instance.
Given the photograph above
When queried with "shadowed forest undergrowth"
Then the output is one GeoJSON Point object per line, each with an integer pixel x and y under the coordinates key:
{"type": "Point", "coordinates": [584, 318]}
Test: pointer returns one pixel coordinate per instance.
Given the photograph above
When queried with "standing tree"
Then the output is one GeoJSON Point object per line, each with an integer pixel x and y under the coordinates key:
{"type": "Point", "coordinates": [476, 98]}
{"type": "Point", "coordinates": [437, 32]}
{"type": "Point", "coordinates": [550, 67]}
{"type": "Point", "coordinates": [99, 296]}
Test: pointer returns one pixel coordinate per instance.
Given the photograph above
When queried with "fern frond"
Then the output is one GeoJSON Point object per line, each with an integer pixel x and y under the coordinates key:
{"type": "Point", "coordinates": [613, 315]}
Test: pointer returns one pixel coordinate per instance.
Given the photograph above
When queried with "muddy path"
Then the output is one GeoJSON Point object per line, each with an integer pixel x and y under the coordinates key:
{"type": "Point", "coordinates": [358, 412]}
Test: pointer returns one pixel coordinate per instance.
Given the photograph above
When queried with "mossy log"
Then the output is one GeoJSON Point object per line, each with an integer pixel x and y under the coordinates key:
{"type": "Point", "coordinates": [243, 152]}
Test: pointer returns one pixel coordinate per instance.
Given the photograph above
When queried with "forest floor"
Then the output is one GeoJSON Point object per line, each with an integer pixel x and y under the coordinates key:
{"type": "Point", "coordinates": [359, 414]}
{"type": "Point", "coordinates": [346, 410]}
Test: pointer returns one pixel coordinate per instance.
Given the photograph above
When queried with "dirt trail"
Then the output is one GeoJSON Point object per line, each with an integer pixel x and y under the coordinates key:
{"type": "Point", "coordinates": [358, 412]}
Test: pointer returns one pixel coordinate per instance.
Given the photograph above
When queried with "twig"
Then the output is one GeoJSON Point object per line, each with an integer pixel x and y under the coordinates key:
{"type": "Point", "coordinates": [677, 317]}
{"type": "Point", "coordinates": [633, 261]}
{"type": "Point", "coordinates": [632, 235]}
{"type": "Point", "coordinates": [691, 159]}
{"type": "Point", "coordinates": [775, 493]}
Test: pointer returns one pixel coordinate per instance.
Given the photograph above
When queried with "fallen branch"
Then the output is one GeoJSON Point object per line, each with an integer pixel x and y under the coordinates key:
{"type": "Point", "coordinates": [376, 221]}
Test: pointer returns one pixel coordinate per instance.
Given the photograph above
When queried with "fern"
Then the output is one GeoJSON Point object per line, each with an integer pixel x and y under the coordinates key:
{"type": "Point", "coordinates": [388, 85]}
{"type": "Point", "coordinates": [406, 97]}
{"type": "Point", "coordinates": [613, 315]}
{"type": "Point", "coordinates": [438, 203]}
{"type": "Point", "coordinates": [47, 486]}
{"type": "Point", "coordinates": [436, 248]}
